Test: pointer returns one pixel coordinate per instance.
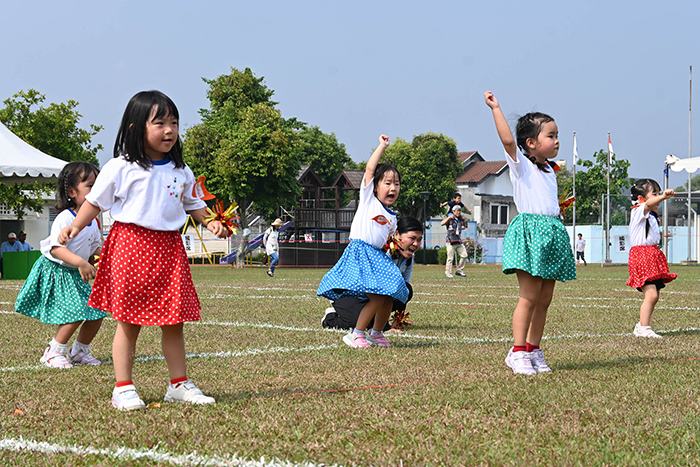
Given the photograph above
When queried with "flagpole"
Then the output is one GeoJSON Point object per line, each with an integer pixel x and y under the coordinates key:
{"type": "Point", "coordinates": [607, 214]}
{"type": "Point", "coordinates": [574, 191]}
{"type": "Point", "coordinates": [690, 145]}
{"type": "Point", "coordinates": [665, 215]}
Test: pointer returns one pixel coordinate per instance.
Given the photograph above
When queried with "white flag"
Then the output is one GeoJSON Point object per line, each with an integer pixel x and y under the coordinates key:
{"type": "Point", "coordinates": [610, 150]}
{"type": "Point", "coordinates": [575, 150]}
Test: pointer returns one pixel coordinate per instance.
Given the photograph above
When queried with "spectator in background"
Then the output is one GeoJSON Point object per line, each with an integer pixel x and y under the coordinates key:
{"type": "Point", "coordinates": [455, 223]}
{"type": "Point", "coordinates": [10, 245]}
{"type": "Point", "coordinates": [580, 246]}
{"type": "Point", "coordinates": [271, 243]}
{"type": "Point", "coordinates": [23, 245]}
{"type": "Point", "coordinates": [457, 201]}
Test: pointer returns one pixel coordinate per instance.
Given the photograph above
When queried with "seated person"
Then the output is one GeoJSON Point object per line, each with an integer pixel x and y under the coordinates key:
{"type": "Point", "coordinates": [457, 201]}
{"type": "Point", "coordinates": [346, 310]}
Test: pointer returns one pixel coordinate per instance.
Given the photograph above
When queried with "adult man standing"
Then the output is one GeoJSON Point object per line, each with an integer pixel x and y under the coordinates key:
{"type": "Point", "coordinates": [10, 245]}
{"type": "Point", "coordinates": [455, 223]}
{"type": "Point", "coordinates": [23, 245]}
{"type": "Point", "coordinates": [580, 246]}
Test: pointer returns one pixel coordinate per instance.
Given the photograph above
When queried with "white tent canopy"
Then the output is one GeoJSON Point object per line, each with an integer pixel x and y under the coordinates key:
{"type": "Point", "coordinates": [22, 163]}
{"type": "Point", "coordinates": [678, 165]}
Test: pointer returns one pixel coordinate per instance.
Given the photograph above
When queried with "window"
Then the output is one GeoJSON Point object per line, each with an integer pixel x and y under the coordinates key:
{"type": "Point", "coordinates": [499, 213]}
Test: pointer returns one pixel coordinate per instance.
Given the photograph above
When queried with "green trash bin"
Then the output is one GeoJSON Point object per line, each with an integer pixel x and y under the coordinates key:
{"type": "Point", "coordinates": [18, 264]}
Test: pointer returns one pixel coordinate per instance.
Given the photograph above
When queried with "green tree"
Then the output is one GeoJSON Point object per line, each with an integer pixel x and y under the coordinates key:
{"type": "Point", "coordinates": [591, 185]}
{"type": "Point", "coordinates": [53, 129]}
{"type": "Point", "coordinates": [247, 151]}
{"type": "Point", "coordinates": [427, 163]}
{"type": "Point", "coordinates": [322, 151]}
{"type": "Point", "coordinates": [22, 197]}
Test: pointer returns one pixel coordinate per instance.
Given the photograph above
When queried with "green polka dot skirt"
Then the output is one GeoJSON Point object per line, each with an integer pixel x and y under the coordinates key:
{"type": "Point", "coordinates": [538, 245]}
{"type": "Point", "coordinates": [55, 294]}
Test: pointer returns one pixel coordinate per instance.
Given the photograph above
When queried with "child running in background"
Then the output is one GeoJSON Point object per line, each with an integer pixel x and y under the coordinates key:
{"type": "Point", "coordinates": [57, 289]}
{"type": "Point", "coordinates": [144, 278]}
{"type": "Point", "coordinates": [364, 270]}
{"type": "Point", "coordinates": [647, 263]}
{"type": "Point", "coordinates": [536, 247]}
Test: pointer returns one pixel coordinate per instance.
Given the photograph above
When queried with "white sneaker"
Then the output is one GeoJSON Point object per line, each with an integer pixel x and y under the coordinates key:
{"type": "Point", "coordinates": [187, 392]}
{"type": "Point", "coordinates": [538, 363]}
{"type": "Point", "coordinates": [83, 358]}
{"type": "Point", "coordinates": [520, 363]}
{"type": "Point", "coordinates": [55, 359]}
{"type": "Point", "coordinates": [644, 331]}
{"type": "Point", "coordinates": [447, 274]}
{"type": "Point", "coordinates": [126, 398]}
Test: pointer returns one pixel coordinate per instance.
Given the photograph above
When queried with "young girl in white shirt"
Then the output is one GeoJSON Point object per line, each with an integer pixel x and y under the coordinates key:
{"type": "Point", "coordinates": [647, 263]}
{"type": "Point", "coordinates": [364, 270]}
{"type": "Point", "coordinates": [144, 278]}
{"type": "Point", "coordinates": [57, 289]}
{"type": "Point", "coordinates": [536, 247]}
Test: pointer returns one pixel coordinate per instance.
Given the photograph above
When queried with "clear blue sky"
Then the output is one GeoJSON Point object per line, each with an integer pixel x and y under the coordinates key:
{"type": "Point", "coordinates": [363, 68]}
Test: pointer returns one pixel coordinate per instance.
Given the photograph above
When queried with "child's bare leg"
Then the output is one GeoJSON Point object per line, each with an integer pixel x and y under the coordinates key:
{"type": "Point", "coordinates": [374, 305]}
{"type": "Point", "coordinates": [64, 332]}
{"type": "Point", "coordinates": [539, 316]}
{"type": "Point", "coordinates": [173, 343]}
{"type": "Point", "coordinates": [124, 350]}
{"type": "Point", "coordinates": [88, 331]}
{"type": "Point", "coordinates": [383, 314]}
{"type": "Point", "coordinates": [651, 297]}
{"type": "Point", "coordinates": [530, 289]}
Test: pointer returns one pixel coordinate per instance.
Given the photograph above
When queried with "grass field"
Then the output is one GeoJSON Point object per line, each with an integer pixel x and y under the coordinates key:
{"type": "Point", "coordinates": [291, 392]}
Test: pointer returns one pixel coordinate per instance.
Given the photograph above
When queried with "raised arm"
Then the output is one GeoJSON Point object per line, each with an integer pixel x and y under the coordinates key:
{"type": "Point", "coordinates": [374, 159]}
{"type": "Point", "coordinates": [654, 201]}
{"type": "Point", "coordinates": [501, 125]}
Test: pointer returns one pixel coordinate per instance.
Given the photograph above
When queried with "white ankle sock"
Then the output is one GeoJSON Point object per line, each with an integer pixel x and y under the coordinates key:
{"type": "Point", "coordinates": [78, 347]}
{"type": "Point", "coordinates": [58, 347]}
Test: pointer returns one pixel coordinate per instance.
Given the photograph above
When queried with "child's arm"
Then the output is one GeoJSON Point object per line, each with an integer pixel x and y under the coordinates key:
{"type": "Point", "coordinates": [501, 125]}
{"type": "Point", "coordinates": [86, 214]}
{"type": "Point", "coordinates": [87, 270]}
{"type": "Point", "coordinates": [374, 159]}
{"type": "Point", "coordinates": [215, 227]}
{"type": "Point", "coordinates": [654, 201]}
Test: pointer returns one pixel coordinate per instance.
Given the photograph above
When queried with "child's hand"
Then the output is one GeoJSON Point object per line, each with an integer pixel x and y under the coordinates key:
{"type": "Point", "coordinates": [491, 100]}
{"type": "Point", "coordinates": [384, 141]}
{"type": "Point", "coordinates": [67, 233]}
{"type": "Point", "coordinates": [87, 271]}
{"type": "Point", "coordinates": [668, 193]}
{"type": "Point", "coordinates": [218, 229]}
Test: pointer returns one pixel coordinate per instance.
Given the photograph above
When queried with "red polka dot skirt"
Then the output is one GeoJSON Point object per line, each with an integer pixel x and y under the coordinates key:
{"type": "Point", "coordinates": [144, 278]}
{"type": "Point", "coordinates": [646, 264]}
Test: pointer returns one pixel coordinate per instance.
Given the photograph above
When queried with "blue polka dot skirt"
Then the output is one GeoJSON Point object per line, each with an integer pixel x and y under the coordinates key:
{"type": "Point", "coordinates": [538, 245]}
{"type": "Point", "coordinates": [55, 294]}
{"type": "Point", "coordinates": [363, 269]}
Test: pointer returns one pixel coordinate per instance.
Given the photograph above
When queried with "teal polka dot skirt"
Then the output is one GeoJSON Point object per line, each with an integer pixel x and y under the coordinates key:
{"type": "Point", "coordinates": [56, 294]}
{"type": "Point", "coordinates": [538, 245]}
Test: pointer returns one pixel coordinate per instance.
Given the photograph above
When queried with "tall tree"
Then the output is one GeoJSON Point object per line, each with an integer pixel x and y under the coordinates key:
{"type": "Point", "coordinates": [53, 129]}
{"type": "Point", "coordinates": [247, 151]}
{"type": "Point", "coordinates": [591, 185]}
{"type": "Point", "coordinates": [427, 163]}
{"type": "Point", "coordinates": [323, 152]}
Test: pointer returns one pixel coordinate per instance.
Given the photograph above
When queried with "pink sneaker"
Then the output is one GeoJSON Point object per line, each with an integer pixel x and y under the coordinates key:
{"type": "Point", "coordinates": [378, 339]}
{"type": "Point", "coordinates": [359, 341]}
{"type": "Point", "coordinates": [55, 359]}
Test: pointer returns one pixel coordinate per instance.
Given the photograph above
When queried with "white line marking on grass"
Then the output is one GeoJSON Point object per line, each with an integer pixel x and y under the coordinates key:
{"type": "Point", "coordinates": [227, 354]}
{"type": "Point", "coordinates": [155, 454]}
{"type": "Point", "coordinates": [5, 312]}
